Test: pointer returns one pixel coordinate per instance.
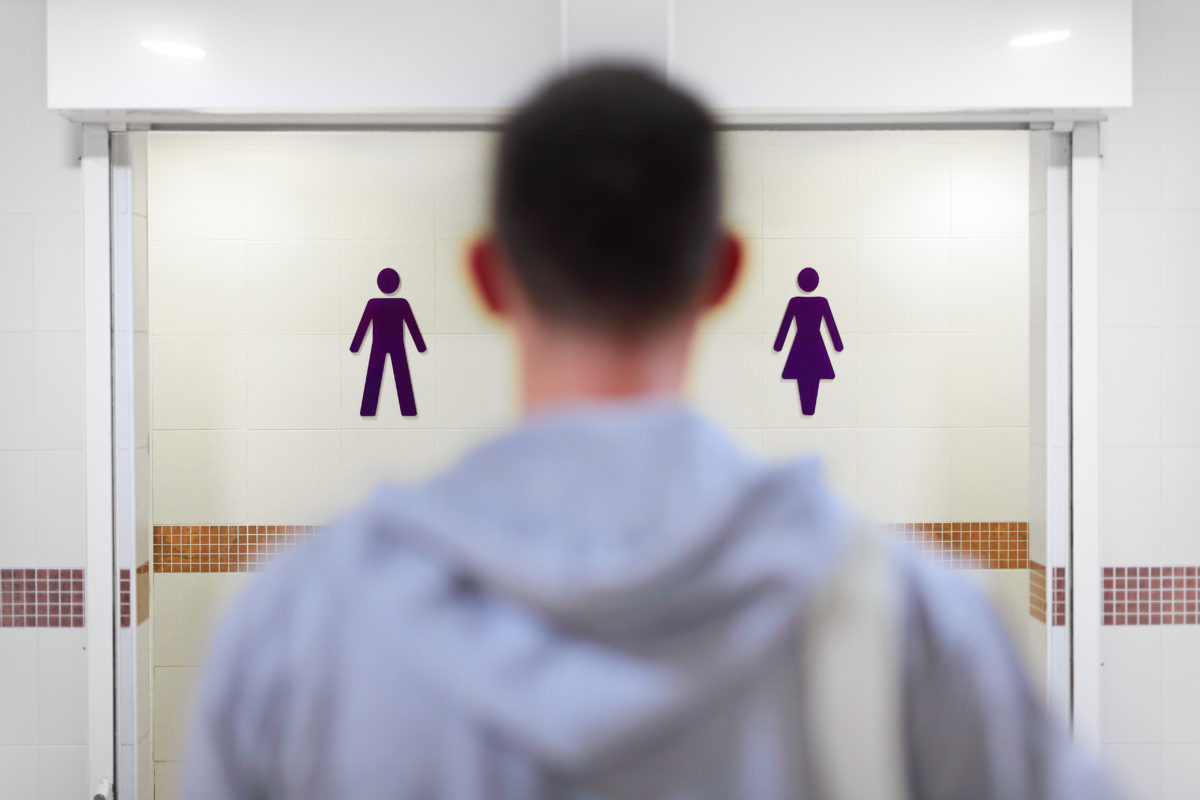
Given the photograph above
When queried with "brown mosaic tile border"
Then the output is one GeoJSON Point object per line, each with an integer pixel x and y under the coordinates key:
{"type": "Point", "coordinates": [976, 545]}
{"type": "Point", "coordinates": [1038, 598]}
{"type": "Point", "coordinates": [142, 574]}
{"type": "Point", "coordinates": [1151, 595]}
{"type": "Point", "coordinates": [41, 598]}
{"type": "Point", "coordinates": [223, 548]}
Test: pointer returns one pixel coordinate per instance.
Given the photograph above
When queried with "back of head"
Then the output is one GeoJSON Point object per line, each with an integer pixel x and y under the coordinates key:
{"type": "Point", "coordinates": [607, 199]}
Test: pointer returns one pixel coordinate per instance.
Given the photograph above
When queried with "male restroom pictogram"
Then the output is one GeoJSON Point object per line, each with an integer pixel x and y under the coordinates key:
{"type": "Point", "coordinates": [808, 361]}
{"type": "Point", "coordinates": [389, 316]}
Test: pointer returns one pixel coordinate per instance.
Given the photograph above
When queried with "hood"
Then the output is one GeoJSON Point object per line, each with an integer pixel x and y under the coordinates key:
{"type": "Point", "coordinates": [600, 575]}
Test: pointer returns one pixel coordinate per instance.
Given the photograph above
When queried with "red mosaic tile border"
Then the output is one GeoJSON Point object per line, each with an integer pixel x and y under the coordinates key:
{"type": "Point", "coordinates": [142, 574]}
{"type": "Point", "coordinates": [976, 545]}
{"type": "Point", "coordinates": [1151, 595]}
{"type": "Point", "coordinates": [1038, 597]}
{"type": "Point", "coordinates": [223, 548]}
{"type": "Point", "coordinates": [41, 598]}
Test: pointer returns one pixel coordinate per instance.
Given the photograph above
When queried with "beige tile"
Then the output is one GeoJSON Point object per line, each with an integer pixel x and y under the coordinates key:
{"type": "Point", "coordinates": [196, 192]}
{"type": "Point", "coordinates": [904, 285]}
{"type": "Point", "coordinates": [989, 285]}
{"type": "Point", "coordinates": [292, 381]}
{"type": "Point", "coordinates": [725, 379]}
{"type": "Point", "coordinates": [990, 186]}
{"type": "Point", "coordinates": [371, 457]}
{"type": "Point", "coordinates": [906, 474]}
{"type": "Point", "coordinates": [173, 692]}
{"type": "Point", "coordinates": [476, 381]}
{"type": "Point", "coordinates": [292, 287]}
{"type": "Point", "coordinates": [385, 183]}
{"type": "Point", "coordinates": [167, 779]}
{"type": "Point", "coordinates": [989, 380]}
{"type": "Point", "coordinates": [414, 261]}
{"type": "Point", "coordinates": [742, 177]}
{"type": "Point", "coordinates": [291, 190]}
{"type": "Point", "coordinates": [187, 609]}
{"type": "Point", "coordinates": [199, 477]}
{"type": "Point", "coordinates": [459, 307]}
{"type": "Point", "coordinates": [464, 165]}
{"type": "Point", "coordinates": [904, 381]}
{"type": "Point", "coordinates": [198, 287]}
{"type": "Point", "coordinates": [809, 187]}
{"type": "Point", "coordinates": [292, 477]}
{"type": "Point", "coordinates": [989, 474]}
{"type": "Point", "coordinates": [198, 381]}
{"type": "Point", "coordinates": [904, 190]}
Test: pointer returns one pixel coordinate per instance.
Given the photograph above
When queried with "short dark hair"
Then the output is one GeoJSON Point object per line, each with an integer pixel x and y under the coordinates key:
{"type": "Point", "coordinates": [607, 199]}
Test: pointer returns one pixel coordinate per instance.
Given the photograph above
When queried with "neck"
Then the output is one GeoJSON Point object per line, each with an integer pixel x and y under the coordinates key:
{"type": "Point", "coordinates": [562, 367]}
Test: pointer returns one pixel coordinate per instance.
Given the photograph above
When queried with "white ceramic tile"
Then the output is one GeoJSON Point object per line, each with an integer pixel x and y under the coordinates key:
{"type": "Point", "coordinates": [1180, 770]}
{"type": "Point", "coordinates": [1180, 387]}
{"type": "Point", "coordinates": [1130, 505]}
{"type": "Point", "coordinates": [62, 688]}
{"type": "Point", "coordinates": [1130, 363]}
{"type": "Point", "coordinates": [1148, 34]}
{"type": "Point", "coordinates": [196, 192]}
{"type": "Point", "coordinates": [809, 188]}
{"type": "Point", "coordinates": [187, 608]}
{"type": "Point", "coordinates": [1181, 267]}
{"type": "Point", "coordinates": [17, 512]}
{"type": "Point", "coordinates": [476, 381]}
{"type": "Point", "coordinates": [173, 690]}
{"type": "Point", "coordinates": [453, 443]}
{"type": "Point", "coordinates": [742, 310]}
{"type": "Point", "coordinates": [292, 477]}
{"type": "Point", "coordinates": [904, 285]}
{"type": "Point", "coordinates": [1180, 156]}
{"type": "Point", "coordinates": [1135, 768]}
{"type": "Point", "coordinates": [989, 474]}
{"type": "Point", "coordinates": [990, 186]}
{"type": "Point", "coordinates": [18, 45]}
{"type": "Point", "coordinates": [386, 185]}
{"type": "Point", "coordinates": [725, 381]}
{"type": "Point", "coordinates": [1130, 684]}
{"type": "Point", "coordinates": [16, 176]}
{"type": "Point", "coordinates": [292, 190]}
{"type": "Point", "coordinates": [370, 457]}
{"type": "Point", "coordinates": [836, 447]}
{"type": "Point", "coordinates": [1132, 167]}
{"type": "Point", "coordinates": [989, 285]}
{"type": "Point", "coordinates": [58, 389]}
{"type": "Point", "coordinates": [19, 686]}
{"type": "Point", "coordinates": [837, 406]}
{"type": "Point", "coordinates": [1181, 31]}
{"type": "Point", "coordinates": [742, 184]}
{"type": "Point", "coordinates": [198, 381]}
{"type": "Point", "coordinates": [55, 144]}
{"type": "Point", "coordinates": [413, 260]}
{"type": "Point", "coordinates": [1133, 256]}
{"type": "Point", "coordinates": [59, 499]}
{"type": "Point", "coordinates": [16, 271]}
{"type": "Point", "coordinates": [199, 477]}
{"type": "Point", "coordinates": [904, 190]}
{"type": "Point", "coordinates": [459, 307]}
{"type": "Point", "coordinates": [167, 777]}
{"type": "Point", "coordinates": [17, 400]}
{"type": "Point", "coordinates": [62, 772]}
{"type": "Point", "coordinates": [904, 381]}
{"type": "Point", "coordinates": [989, 383]}
{"type": "Point", "coordinates": [906, 474]}
{"type": "Point", "coordinates": [292, 381]}
{"type": "Point", "coordinates": [464, 166]}
{"type": "Point", "coordinates": [422, 369]}
{"type": "Point", "coordinates": [835, 261]}
{"type": "Point", "coordinates": [198, 286]}
{"type": "Point", "coordinates": [292, 287]}
{"type": "Point", "coordinates": [1180, 505]}
{"type": "Point", "coordinates": [19, 766]}
{"type": "Point", "coordinates": [58, 272]}
{"type": "Point", "coordinates": [1180, 690]}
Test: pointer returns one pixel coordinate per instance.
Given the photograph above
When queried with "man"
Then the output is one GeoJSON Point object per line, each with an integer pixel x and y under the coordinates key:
{"type": "Point", "coordinates": [614, 601]}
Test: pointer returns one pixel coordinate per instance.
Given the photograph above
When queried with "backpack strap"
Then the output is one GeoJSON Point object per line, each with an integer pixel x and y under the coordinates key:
{"type": "Point", "coordinates": [853, 668]}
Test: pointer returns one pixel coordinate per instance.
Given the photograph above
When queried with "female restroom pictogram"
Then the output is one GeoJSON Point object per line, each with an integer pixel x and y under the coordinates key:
{"type": "Point", "coordinates": [389, 316]}
{"type": "Point", "coordinates": [808, 361]}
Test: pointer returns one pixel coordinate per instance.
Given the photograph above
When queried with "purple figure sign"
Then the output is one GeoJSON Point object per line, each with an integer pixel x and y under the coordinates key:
{"type": "Point", "coordinates": [389, 315]}
{"type": "Point", "coordinates": [808, 361]}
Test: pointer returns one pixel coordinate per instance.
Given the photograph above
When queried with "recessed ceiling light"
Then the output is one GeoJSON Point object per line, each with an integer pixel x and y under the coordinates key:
{"type": "Point", "coordinates": [1035, 39]}
{"type": "Point", "coordinates": [173, 49]}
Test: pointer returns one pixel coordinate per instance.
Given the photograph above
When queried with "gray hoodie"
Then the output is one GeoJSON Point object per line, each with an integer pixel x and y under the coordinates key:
{"type": "Point", "coordinates": [608, 602]}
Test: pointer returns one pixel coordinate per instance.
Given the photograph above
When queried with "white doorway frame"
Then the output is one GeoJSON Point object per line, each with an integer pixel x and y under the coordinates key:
{"type": "Point", "coordinates": [103, 238]}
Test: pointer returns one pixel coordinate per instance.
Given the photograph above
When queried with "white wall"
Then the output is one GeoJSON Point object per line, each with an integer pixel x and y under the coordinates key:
{"type": "Point", "coordinates": [42, 670]}
{"type": "Point", "coordinates": [1149, 395]}
{"type": "Point", "coordinates": [361, 56]}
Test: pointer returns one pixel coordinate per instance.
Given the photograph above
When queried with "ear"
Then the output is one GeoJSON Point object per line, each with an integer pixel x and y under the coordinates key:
{"type": "Point", "coordinates": [488, 274]}
{"type": "Point", "coordinates": [727, 268]}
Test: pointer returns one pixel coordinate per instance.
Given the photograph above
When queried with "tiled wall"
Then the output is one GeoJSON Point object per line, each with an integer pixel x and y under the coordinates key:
{"type": "Point", "coordinates": [1149, 396]}
{"type": "Point", "coordinates": [42, 668]}
{"type": "Point", "coordinates": [264, 249]}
